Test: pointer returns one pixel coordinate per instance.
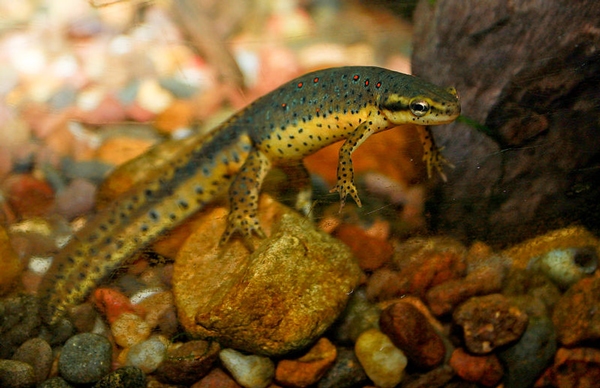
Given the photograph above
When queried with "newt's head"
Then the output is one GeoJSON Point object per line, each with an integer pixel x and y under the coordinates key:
{"type": "Point", "coordinates": [413, 100]}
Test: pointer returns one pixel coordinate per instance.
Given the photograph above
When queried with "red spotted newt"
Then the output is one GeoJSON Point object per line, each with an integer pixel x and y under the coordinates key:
{"type": "Point", "coordinates": [278, 129]}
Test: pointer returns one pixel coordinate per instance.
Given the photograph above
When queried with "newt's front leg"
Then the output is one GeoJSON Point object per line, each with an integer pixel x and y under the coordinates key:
{"type": "Point", "coordinates": [243, 198]}
{"type": "Point", "coordinates": [345, 170]}
{"type": "Point", "coordinates": [432, 156]}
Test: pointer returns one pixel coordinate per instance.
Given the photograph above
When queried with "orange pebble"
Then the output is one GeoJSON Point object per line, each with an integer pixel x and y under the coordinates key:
{"type": "Point", "coordinates": [372, 252]}
{"type": "Point", "coordinates": [112, 303]}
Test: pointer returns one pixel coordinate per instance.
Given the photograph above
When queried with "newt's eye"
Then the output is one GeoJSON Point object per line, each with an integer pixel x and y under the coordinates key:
{"type": "Point", "coordinates": [419, 107]}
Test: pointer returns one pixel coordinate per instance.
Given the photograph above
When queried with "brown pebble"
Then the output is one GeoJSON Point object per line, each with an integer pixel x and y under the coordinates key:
{"type": "Point", "coordinates": [216, 378]}
{"type": "Point", "coordinates": [572, 368]}
{"type": "Point", "coordinates": [309, 368]}
{"type": "Point", "coordinates": [11, 264]}
{"type": "Point", "coordinates": [576, 315]}
{"type": "Point", "coordinates": [28, 195]}
{"type": "Point", "coordinates": [410, 331]}
{"type": "Point", "coordinates": [108, 110]}
{"type": "Point", "coordinates": [189, 362]}
{"type": "Point", "coordinates": [77, 199]}
{"type": "Point", "coordinates": [419, 264]}
{"type": "Point", "coordinates": [37, 353]}
{"type": "Point", "coordinates": [485, 370]}
{"type": "Point", "coordinates": [484, 279]}
{"type": "Point", "coordinates": [138, 113]}
{"type": "Point", "coordinates": [157, 306]}
{"type": "Point", "coordinates": [490, 321]}
{"type": "Point", "coordinates": [371, 252]}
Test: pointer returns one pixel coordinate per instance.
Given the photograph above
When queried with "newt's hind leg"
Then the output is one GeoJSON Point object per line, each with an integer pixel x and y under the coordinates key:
{"type": "Point", "coordinates": [243, 198]}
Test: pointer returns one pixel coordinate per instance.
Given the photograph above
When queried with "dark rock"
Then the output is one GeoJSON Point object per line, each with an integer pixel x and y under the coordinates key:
{"type": "Point", "coordinates": [16, 374]}
{"type": "Point", "coordinates": [438, 377]}
{"type": "Point", "coordinates": [526, 164]}
{"type": "Point", "coordinates": [188, 363]}
{"type": "Point", "coordinates": [360, 315]}
{"type": "Point", "coordinates": [346, 372]}
{"type": "Point", "coordinates": [85, 358]}
{"type": "Point", "coordinates": [125, 377]}
{"type": "Point", "coordinates": [527, 358]}
{"type": "Point", "coordinates": [37, 353]}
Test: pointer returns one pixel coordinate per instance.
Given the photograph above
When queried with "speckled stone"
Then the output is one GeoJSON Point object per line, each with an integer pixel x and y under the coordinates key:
{"type": "Point", "coordinates": [85, 358]}
{"type": "Point", "coordinates": [55, 382]}
{"type": "Point", "coordinates": [188, 362]}
{"type": "Point", "coordinates": [359, 315]}
{"type": "Point", "coordinates": [278, 299]}
{"type": "Point", "coordinates": [37, 353]}
{"type": "Point", "coordinates": [16, 374]}
{"type": "Point", "coordinates": [125, 377]}
{"type": "Point", "coordinates": [346, 372]}
{"type": "Point", "coordinates": [490, 321]}
{"type": "Point", "coordinates": [20, 321]}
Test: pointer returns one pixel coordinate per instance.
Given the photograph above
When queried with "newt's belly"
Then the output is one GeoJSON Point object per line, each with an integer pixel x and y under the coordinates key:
{"type": "Point", "coordinates": [300, 139]}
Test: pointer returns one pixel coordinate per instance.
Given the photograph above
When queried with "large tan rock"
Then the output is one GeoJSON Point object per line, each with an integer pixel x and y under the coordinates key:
{"type": "Point", "coordinates": [279, 298]}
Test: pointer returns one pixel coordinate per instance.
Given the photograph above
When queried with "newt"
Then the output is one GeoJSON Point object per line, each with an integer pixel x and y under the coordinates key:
{"type": "Point", "coordinates": [278, 129]}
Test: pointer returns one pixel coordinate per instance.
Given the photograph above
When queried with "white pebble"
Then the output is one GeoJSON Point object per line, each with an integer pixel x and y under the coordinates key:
{"type": "Point", "coordinates": [152, 97]}
{"type": "Point", "coordinates": [90, 98]}
{"type": "Point", "coordinates": [249, 371]}
{"type": "Point", "coordinates": [383, 362]}
{"type": "Point", "coordinates": [139, 296]}
{"type": "Point", "coordinates": [149, 354]}
{"type": "Point", "coordinates": [39, 265]}
{"type": "Point", "coordinates": [29, 60]}
{"type": "Point", "coordinates": [65, 66]}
